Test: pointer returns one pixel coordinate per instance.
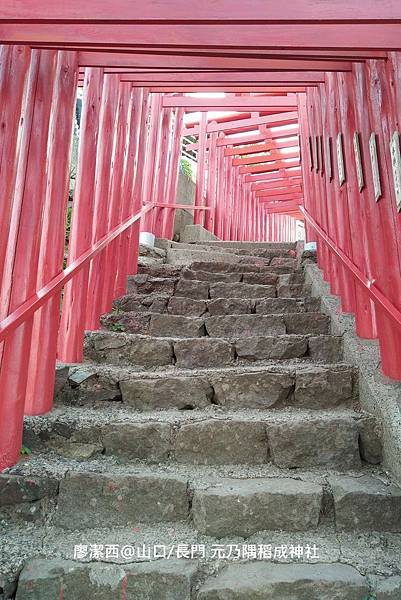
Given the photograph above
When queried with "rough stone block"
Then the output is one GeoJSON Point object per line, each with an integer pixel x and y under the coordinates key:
{"type": "Point", "coordinates": [388, 588]}
{"type": "Point", "coordinates": [241, 290]}
{"type": "Point", "coordinates": [233, 326]}
{"type": "Point", "coordinates": [176, 326]}
{"type": "Point", "coordinates": [161, 580]}
{"type": "Point", "coordinates": [318, 387]}
{"type": "Point", "coordinates": [166, 392]}
{"type": "Point", "coordinates": [145, 441]}
{"type": "Point", "coordinates": [325, 348]}
{"type": "Point", "coordinates": [203, 352]}
{"type": "Point", "coordinates": [43, 579]}
{"type": "Point", "coordinates": [313, 442]}
{"type": "Point", "coordinates": [199, 290]}
{"type": "Point", "coordinates": [17, 489]}
{"type": "Point", "coordinates": [260, 278]}
{"type": "Point", "coordinates": [141, 303]}
{"type": "Point", "coordinates": [307, 323]}
{"type": "Point", "coordinates": [117, 348]}
{"type": "Point", "coordinates": [278, 305]}
{"type": "Point", "coordinates": [62, 372]}
{"type": "Point", "coordinates": [210, 276]}
{"type": "Point", "coordinates": [161, 270]}
{"type": "Point", "coordinates": [186, 306]}
{"type": "Point", "coordinates": [271, 347]}
{"type": "Point", "coordinates": [312, 304]}
{"type": "Point", "coordinates": [217, 442]}
{"type": "Point", "coordinates": [87, 385]}
{"type": "Point", "coordinates": [126, 322]}
{"type": "Point", "coordinates": [243, 507]}
{"type": "Point", "coordinates": [258, 580]}
{"type": "Point", "coordinates": [146, 284]}
{"type": "Point", "coordinates": [252, 390]}
{"type": "Point", "coordinates": [75, 450]}
{"type": "Point", "coordinates": [280, 261]}
{"type": "Point", "coordinates": [213, 267]}
{"type": "Point", "coordinates": [366, 503]}
{"type": "Point", "coordinates": [229, 306]}
{"type": "Point", "coordinates": [88, 499]}
{"type": "Point", "coordinates": [371, 440]}
{"type": "Point", "coordinates": [293, 290]}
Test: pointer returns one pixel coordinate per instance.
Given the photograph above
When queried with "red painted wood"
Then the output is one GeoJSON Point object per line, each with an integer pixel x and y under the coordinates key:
{"type": "Point", "coordinates": [14, 64]}
{"type": "Point", "coordinates": [380, 299]}
{"type": "Point", "coordinates": [378, 95]}
{"type": "Point", "coordinates": [268, 166]}
{"type": "Point", "coordinates": [211, 193]}
{"type": "Point", "coordinates": [72, 326]}
{"type": "Point", "coordinates": [241, 103]}
{"type": "Point", "coordinates": [105, 143]}
{"type": "Point", "coordinates": [277, 183]}
{"type": "Point", "coordinates": [252, 123]}
{"type": "Point", "coordinates": [172, 182]}
{"type": "Point", "coordinates": [262, 158]}
{"type": "Point", "coordinates": [240, 140]}
{"type": "Point", "coordinates": [19, 280]}
{"type": "Point", "coordinates": [257, 148]}
{"type": "Point", "coordinates": [134, 130]}
{"type": "Point", "coordinates": [30, 306]}
{"type": "Point", "coordinates": [242, 88]}
{"type": "Point", "coordinates": [225, 11]}
{"type": "Point", "coordinates": [311, 36]}
{"type": "Point", "coordinates": [119, 60]}
{"type": "Point", "coordinates": [276, 193]}
{"type": "Point", "coordinates": [200, 173]}
{"type": "Point", "coordinates": [163, 168]}
{"type": "Point", "coordinates": [152, 154]}
{"type": "Point", "coordinates": [358, 244]}
{"type": "Point", "coordinates": [137, 196]}
{"type": "Point", "coordinates": [116, 195]}
{"type": "Point", "coordinates": [42, 361]}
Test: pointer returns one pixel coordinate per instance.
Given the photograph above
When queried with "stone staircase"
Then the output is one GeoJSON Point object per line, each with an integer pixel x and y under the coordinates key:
{"type": "Point", "coordinates": [210, 447]}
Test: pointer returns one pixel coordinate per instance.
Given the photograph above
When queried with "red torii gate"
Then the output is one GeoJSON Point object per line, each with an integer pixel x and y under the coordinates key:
{"type": "Point", "coordinates": [344, 66]}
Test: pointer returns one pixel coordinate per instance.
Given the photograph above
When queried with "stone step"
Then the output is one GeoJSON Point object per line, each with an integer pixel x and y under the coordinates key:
{"type": "Point", "coordinates": [71, 580]}
{"type": "Point", "coordinates": [244, 267]}
{"type": "Point", "coordinates": [120, 499]}
{"type": "Point", "coordinates": [260, 387]}
{"type": "Point", "coordinates": [252, 277]}
{"type": "Point", "coordinates": [219, 501]}
{"type": "Point", "coordinates": [180, 305]}
{"type": "Point", "coordinates": [218, 285]}
{"type": "Point", "coordinates": [206, 352]}
{"type": "Point", "coordinates": [182, 256]}
{"type": "Point", "coordinates": [254, 581]}
{"type": "Point", "coordinates": [243, 507]}
{"type": "Point", "coordinates": [258, 251]}
{"type": "Point", "coordinates": [242, 245]}
{"type": "Point", "coordinates": [311, 440]}
{"type": "Point", "coordinates": [218, 326]}
{"type": "Point", "coordinates": [294, 574]}
{"type": "Point", "coordinates": [366, 503]}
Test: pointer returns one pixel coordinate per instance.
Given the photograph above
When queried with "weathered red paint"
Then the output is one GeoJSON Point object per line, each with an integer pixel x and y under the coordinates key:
{"type": "Point", "coordinates": [19, 282]}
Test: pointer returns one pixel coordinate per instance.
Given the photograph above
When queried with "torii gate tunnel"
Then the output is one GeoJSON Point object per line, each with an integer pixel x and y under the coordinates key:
{"type": "Point", "coordinates": [312, 91]}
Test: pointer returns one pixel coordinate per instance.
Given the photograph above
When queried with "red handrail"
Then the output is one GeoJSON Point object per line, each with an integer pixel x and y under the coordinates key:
{"type": "Point", "coordinates": [26, 310]}
{"type": "Point", "coordinates": [376, 295]}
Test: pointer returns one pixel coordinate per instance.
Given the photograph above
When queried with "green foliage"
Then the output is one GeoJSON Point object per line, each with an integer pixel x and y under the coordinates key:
{"type": "Point", "coordinates": [25, 451]}
{"type": "Point", "coordinates": [68, 225]}
{"type": "Point", "coordinates": [117, 327]}
{"type": "Point", "coordinates": [185, 167]}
